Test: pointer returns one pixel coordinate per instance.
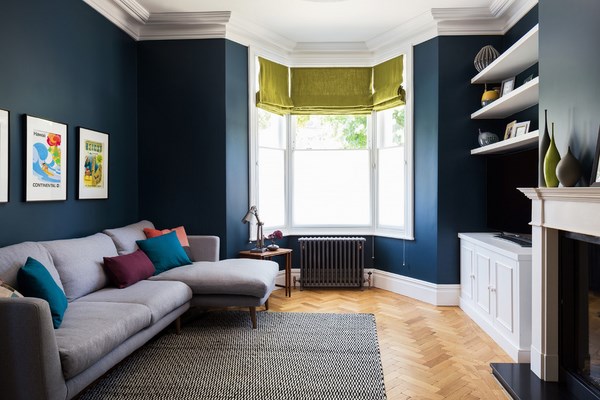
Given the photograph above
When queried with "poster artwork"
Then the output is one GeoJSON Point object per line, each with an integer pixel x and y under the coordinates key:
{"type": "Point", "coordinates": [93, 177]}
{"type": "Point", "coordinates": [46, 159]}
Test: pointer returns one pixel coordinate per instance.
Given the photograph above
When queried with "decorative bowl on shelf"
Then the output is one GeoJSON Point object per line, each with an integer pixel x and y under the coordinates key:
{"type": "Point", "coordinates": [486, 138]}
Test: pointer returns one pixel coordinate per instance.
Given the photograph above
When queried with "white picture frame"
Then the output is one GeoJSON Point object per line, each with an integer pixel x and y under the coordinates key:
{"type": "Point", "coordinates": [92, 171]}
{"type": "Point", "coordinates": [4, 155]}
{"type": "Point", "coordinates": [508, 85]}
{"type": "Point", "coordinates": [45, 160]}
{"type": "Point", "coordinates": [521, 128]}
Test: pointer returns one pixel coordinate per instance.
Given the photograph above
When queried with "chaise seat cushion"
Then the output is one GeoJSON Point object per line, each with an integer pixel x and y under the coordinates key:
{"type": "Point", "coordinates": [229, 277]}
{"type": "Point", "coordinates": [160, 297]}
{"type": "Point", "coordinates": [90, 331]}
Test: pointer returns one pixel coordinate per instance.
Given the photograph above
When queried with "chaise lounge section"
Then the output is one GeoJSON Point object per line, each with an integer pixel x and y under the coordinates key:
{"type": "Point", "coordinates": [102, 324]}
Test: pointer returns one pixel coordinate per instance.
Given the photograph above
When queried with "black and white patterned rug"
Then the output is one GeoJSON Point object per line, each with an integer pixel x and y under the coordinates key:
{"type": "Point", "coordinates": [290, 356]}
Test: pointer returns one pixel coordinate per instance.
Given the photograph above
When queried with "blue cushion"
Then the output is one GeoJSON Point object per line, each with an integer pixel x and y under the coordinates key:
{"type": "Point", "coordinates": [34, 280]}
{"type": "Point", "coordinates": [165, 252]}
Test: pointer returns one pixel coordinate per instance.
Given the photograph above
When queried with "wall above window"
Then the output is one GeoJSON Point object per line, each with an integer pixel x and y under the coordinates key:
{"type": "Point", "coordinates": [374, 32]}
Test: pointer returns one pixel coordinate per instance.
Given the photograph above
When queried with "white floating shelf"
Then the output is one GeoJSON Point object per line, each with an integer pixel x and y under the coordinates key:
{"type": "Point", "coordinates": [520, 56]}
{"type": "Point", "coordinates": [523, 142]}
{"type": "Point", "coordinates": [523, 97]}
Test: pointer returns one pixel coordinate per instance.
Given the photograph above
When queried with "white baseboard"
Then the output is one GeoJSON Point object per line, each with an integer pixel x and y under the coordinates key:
{"type": "Point", "coordinates": [438, 295]}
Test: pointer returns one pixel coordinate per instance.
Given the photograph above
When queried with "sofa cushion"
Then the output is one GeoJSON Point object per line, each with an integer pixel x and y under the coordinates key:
{"type": "Point", "coordinates": [128, 269]}
{"type": "Point", "coordinates": [180, 231]}
{"type": "Point", "coordinates": [92, 330]}
{"type": "Point", "coordinates": [165, 252]}
{"type": "Point", "coordinates": [125, 238]}
{"type": "Point", "coordinates": [160, 297]}
{"type": "Point", "coordinates": [79, 263]}
{"type": "Point", "coordinates": [234, 276]}
{"type": "Point", "coordinates": [35, 281]}
{"type": "Point", "coordinates": [13, 257]}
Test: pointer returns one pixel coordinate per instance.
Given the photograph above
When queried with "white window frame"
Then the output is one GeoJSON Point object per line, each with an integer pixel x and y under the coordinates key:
{"type": "Point", "coordinates": [374, 229]}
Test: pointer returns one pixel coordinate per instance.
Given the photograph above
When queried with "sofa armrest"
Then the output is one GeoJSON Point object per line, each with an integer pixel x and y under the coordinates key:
{"type": "Point", "coordinates": [204, 248]}
{"type": "Point", "coordinates": [29, 359]}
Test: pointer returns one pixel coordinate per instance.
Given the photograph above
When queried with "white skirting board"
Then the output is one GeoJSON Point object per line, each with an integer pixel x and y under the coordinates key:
{"type": "Point", "coordinates": [438, 295]}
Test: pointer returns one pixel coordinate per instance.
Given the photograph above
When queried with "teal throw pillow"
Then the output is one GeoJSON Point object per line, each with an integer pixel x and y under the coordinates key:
{"type": "Point", "coordinates": [165, 252]}
{"type": "Point", "coordinates": [34, 280]}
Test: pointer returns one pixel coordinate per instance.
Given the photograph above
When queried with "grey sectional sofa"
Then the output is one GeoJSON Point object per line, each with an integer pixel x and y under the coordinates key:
{"type": "Point", "coordinates": [103, 324]}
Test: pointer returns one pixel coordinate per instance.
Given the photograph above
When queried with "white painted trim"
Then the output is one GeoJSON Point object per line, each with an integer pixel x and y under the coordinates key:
{"type": "Point", "coordinates": [437, 295]}
{"type": "Point", "coordinates": [140, 24]}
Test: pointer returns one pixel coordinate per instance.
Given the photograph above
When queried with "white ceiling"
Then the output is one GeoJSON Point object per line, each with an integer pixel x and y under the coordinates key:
{"type": "Point", "coordinates": [317, 21]}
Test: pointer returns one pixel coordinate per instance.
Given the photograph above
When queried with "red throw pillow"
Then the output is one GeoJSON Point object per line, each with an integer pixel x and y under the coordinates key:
{"type": "Point", "coordinates": [126, 270]}
{"type": "Point", "coordinates": [179, 231]}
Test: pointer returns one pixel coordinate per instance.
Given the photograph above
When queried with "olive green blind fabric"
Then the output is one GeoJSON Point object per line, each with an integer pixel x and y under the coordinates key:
{"type": "Point", "coordinates": [319, 91]}
{"type": "Point", "coordinates": [387, 84]}
{"type": "Point", "coordinates": [330, 91]}
{"type": "Point", "coordinates": [273, 81]}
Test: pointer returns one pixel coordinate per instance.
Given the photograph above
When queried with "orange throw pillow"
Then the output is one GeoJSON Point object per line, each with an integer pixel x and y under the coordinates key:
{"type": "Point", "coordinates": [179, 231]}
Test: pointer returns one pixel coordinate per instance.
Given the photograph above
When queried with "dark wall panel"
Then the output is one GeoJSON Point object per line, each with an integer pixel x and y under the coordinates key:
{"type": "Point", "coordinates": [237, 131]}
{"type": "Point", "coordinates": [570, 75]}
{"type": "Point", "coordinates": [63, 61]}
{"type": "Point", "coordinates": [182, 134]}
{"type": "Point", "coordinates": [418, 258]}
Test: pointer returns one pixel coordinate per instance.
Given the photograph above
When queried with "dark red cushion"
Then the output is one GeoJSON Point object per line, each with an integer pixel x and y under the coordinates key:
{"type": "Point", "coordinates": [126, 270]}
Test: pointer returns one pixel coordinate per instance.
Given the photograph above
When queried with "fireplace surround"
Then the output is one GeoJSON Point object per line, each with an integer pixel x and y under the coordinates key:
{"type": "Point", "coordinates": [574, 210]}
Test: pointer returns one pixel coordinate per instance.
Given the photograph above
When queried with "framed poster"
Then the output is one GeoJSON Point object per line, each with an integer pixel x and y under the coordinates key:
{"type": "Point", "coordinates": [93, 164]}
{"type": "Point", "coordinates": [45, 160]}
{"type": "Point", "coordinates": [4, 133]}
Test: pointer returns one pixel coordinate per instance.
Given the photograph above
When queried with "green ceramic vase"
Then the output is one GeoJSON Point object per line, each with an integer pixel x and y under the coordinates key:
{"type": "Point", "coordinates": [551, 160]}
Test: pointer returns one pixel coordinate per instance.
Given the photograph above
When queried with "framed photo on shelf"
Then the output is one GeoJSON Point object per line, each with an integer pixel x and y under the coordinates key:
{"type": "Point", "coordinates": [92, 171]}
{"type": "Point", "coordinates": [508, 132]}
{"type": "Point", "coordinates": [595, 179]}
{"type": "Point", "coordinates": [45, 160]}
{"type": "Point", "coordinates": [521, 128]}
{"type": "Point", "coordinates": [508, 86]}
{"type": "Point", "coordinates": [4, 134]}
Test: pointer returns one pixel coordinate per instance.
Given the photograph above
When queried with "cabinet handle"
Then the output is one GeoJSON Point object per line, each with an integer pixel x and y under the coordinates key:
{"type": "Point", "coordinates": [472, 275]}
{"type": "Point", "coordinates": [493, 289]}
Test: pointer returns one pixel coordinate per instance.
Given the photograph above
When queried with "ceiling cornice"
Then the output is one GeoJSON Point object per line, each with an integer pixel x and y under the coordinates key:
{"type": "Point", "coordinates": [139, 23]}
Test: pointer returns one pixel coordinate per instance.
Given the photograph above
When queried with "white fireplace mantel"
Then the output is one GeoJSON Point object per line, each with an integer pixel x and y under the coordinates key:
{"type": "Point", "coordinates": [553, 210]}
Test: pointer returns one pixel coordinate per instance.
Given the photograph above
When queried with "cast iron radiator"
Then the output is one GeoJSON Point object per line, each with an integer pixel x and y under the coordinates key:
{"type": "Point", "coordinates": [332, 261]}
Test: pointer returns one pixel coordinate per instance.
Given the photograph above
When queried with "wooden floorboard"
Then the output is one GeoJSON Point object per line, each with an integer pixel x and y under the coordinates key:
{"type": "Point", "coordinates": [427, 352]}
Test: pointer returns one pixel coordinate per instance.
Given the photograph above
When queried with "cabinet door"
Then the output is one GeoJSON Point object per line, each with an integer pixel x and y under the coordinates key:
{"type": "Point", "coordinates": [483, 274]}
{"type": "Point", "coordinates": [467, 275]}
{"type": "Point", "coordinates": [503, 289]}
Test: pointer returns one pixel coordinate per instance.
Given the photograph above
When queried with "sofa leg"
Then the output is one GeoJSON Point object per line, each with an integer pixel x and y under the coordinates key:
{"type": "Point", "coordinates": [178, 326]}
{"type": "Point", "coordinates": [267, 304]}
{"type": "Point", "coordinates": [253, 316]}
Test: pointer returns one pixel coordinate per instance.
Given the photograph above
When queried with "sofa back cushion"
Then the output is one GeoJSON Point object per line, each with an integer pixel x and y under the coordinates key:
{"type": "Point", "coordinates": [79, 263]}
{"type": "Point", "coordinates": [125, 238]}
{"type": "Point", "coordinates": [13, 257]}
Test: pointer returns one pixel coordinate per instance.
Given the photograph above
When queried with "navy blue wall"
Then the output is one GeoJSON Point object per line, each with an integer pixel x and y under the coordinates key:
{"type": "Point", "coordinates": [450, 185]}
{"type": "Point", "coordinates": [570, 75]}
{"type": "Point", "coordinates": [193, 128]}
{"type": "Point", "coordinates": [63, 61]}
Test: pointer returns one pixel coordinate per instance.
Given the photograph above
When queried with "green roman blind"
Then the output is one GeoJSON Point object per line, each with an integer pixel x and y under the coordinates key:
{"type": "Point", "coordinates": [273, 81]}
{"type": "Point", "coordinates": [387, 84]}
{"type": "Point", "coordinates": [320, 91]}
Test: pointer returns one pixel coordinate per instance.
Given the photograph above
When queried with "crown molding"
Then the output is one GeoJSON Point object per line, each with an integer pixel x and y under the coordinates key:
{"type": "Point", "coordinates": [140, 24]}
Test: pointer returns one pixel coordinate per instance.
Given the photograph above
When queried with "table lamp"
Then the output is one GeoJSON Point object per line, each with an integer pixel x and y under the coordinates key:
{"type": "Point", "coordinates": [260, 240]}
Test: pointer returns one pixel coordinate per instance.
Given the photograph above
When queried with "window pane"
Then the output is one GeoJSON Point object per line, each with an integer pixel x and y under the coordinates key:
{"type": "Point", "coordinates": [271, 129]}
{"type": "Point", "coordinates": [329, 132]}
{"type": "Point", "coordinates": [331, 188]}
{"type": "Point", "coordinates": [391, 187]}
{"type": "Point", "coordinates": [391, 127]}
{"type": "Point", "coordinates": [271, 175]}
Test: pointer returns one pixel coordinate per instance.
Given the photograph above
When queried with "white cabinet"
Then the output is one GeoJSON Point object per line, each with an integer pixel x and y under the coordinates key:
{"type": "Point", "coordinates": [496, 290]}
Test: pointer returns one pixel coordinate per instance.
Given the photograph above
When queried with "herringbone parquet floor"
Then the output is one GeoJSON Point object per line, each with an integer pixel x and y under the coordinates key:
{"type": "Point", "coordinates": [427, 352]}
